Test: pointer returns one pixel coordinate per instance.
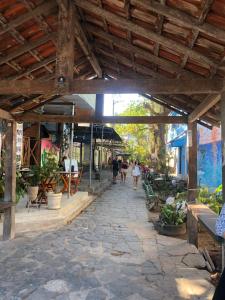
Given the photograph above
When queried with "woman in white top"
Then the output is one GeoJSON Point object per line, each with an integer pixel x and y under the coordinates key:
{"type": "Point", "coordinates": [136, 173]}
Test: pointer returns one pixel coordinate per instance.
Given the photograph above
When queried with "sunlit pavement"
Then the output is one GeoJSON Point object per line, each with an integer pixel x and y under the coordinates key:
{"type": "Point", "coordinates": [108, 252]}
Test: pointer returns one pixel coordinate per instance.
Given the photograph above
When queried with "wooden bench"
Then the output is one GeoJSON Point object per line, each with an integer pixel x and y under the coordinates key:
{"type": "Point", "coordinates": [201, 214]}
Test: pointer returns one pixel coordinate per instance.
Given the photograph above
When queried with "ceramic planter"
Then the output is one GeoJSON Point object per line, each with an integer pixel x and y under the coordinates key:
{"type": "Point", "coordinates": [54, 200]}
{"type": "Point", "coordinates": [32, 192]}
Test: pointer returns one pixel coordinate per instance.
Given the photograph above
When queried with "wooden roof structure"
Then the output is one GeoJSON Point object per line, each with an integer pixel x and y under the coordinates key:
{"type": "Point", "coordinates": [171, 49]}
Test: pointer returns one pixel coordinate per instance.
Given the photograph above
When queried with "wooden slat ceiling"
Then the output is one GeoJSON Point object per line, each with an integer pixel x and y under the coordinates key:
{"type": "Point", "coordinates": [126, 38]}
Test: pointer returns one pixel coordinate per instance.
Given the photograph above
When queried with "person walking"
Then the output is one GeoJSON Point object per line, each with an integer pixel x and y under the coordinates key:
{"type": "Point", "coordinates": [115, 169]}
{"type": "Point", "coordinates": [220, 230]}
{"type": "Point", "coordinates": [124, 170]}
{"type": "Point", "coordinates": [136, 173]}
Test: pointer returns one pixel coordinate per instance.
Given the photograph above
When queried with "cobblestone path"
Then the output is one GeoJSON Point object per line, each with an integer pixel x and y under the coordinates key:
{"type": "Point", "coordinates": [109, 252]}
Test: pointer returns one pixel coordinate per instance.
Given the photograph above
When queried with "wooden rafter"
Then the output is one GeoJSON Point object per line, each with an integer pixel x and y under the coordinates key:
{"type": "Point", "coordinates": [129, 25]}
{"type": "Point", "coordinates": [26, 47]}
{"type": "Point", "coordinates": [85, 46]}
{"type": "Point", "coordinates": [44, 9]}
{"type": "Point", "coordinates": [125, 61]}
{"type": "Point", "coordinates": [165, 64]}
{"type": "Point", "coordinates": [180, 18]}
{"type": "Point", "coordinates": [203, 107]}
{"type": "Point", "coordinates": [33, 68]}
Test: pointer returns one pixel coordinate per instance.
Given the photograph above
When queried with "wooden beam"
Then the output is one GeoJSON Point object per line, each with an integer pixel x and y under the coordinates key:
{"type": "Point", "coordinates": [130, 26]}
{"type": "Point", "coordinates": [44, 9]}
{"type": "Point", "coordinates": [203, 107]}
{"type": "Point", "coordinates": [127, 62]}
{"type": "Point", "coordinates": [65, 45]}
{"type": "Point", "coordinates": [89, 117]}
{"type": "Point", "coordinates": [101, 86]}
{"type": "Point", "coordinates": [85, 46]}
{"type": "Point", "coordinates": [5, 115]}
{"type": "Point", "coordinates": [33, 68]}
{"type": "Point", "coordinates": [180, 18]}
{"type": "Point", "coordinates": [27, 47]}
{"type": "Point", "coordinates": [10, 181]}
{"type": "Point", "coordinates": [144, 120]}
{"type": "Point", "coordinates": [152, 86]}
{"type": "Point", "coordinates": [26, 87]}
{"type": "Point", "coordinates": [122, 43]}
{"type": "Point", "coordinates": [192, 161]}
{"type": "Point", "coordinates": [173, 108]}
{"type": "Point", "coordinates": [205, 10]}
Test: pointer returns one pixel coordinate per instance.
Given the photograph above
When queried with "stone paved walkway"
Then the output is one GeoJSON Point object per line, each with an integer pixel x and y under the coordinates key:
{"type": "Point", "coordinates": [108, 252]}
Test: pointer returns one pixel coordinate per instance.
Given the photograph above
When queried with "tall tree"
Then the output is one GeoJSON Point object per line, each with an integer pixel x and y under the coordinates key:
{"type": "Point", "coordinates": [145, 142]}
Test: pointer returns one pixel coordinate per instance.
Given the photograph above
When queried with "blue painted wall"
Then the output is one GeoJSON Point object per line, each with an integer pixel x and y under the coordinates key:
{"type": "Point", "coordinates": [209, 154]}
{"type": "Point", "coordinates": [210, 164]}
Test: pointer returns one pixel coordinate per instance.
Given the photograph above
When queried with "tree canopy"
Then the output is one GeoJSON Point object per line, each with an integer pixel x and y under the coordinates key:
{"type": "Point", "coordinates": [145, 142]}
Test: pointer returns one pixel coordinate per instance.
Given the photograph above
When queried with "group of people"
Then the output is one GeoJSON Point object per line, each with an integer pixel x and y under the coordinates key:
{"type": "Point", "coordinates": [122, 167]}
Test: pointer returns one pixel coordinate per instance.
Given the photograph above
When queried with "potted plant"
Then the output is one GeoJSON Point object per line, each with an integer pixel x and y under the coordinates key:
{"type": "Point", "coordinates": [33, 180]}
{"type": "Point", "coordinates": [172, 219]}
{"type": "Point", "coordinates": [50, 176]}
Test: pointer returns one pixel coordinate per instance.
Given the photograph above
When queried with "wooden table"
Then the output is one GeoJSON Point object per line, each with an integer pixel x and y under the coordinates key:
{"type": "Point", "coordinates": [65, 176]}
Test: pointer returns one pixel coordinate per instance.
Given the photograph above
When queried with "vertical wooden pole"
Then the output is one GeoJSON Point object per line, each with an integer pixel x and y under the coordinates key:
{"type": "Point", "coordinates": [65, 45]}
{"type": "Point", "coordinates": [10, 181]}
{"type": "Point", "coordinates": [81, 154]}
{"type": "Point", "coordinates": [192, 228]}
{"type": "Point", "coordinates": [192, 161]}
{"type": "Point", "coordinates": [223, 141]}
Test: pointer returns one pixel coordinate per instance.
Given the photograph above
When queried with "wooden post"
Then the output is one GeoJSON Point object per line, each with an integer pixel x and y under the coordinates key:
{"type": "Point", "coordinates": [99, 107]}
{"type": "Point", "coordinates": [10, 181]}
{"type": "Point", "coordinates": [192, 161]}
{"type": "Point", "coordinates": [65, 46]}
{"type": "Point", "coordinates": [192, 228]}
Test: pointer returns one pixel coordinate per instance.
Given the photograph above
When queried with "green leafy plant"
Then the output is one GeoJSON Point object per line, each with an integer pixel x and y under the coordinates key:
{"type": "Point", "coordinates": [172, 214]}
{"type": "Point", "coordinates": [21, 186]}
{"type": "Point", "coordinates": [50, 169]}
{"type": "Point", "coordinates": [34, 177]}
{"type": "Point", "coordinates": [213, 200]}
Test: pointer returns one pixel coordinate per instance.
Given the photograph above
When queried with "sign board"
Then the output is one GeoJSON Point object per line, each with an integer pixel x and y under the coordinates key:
{"type": "Point", "coordinates": [19, 143]}
{"type": "Point", "coordinates": [189, 139]}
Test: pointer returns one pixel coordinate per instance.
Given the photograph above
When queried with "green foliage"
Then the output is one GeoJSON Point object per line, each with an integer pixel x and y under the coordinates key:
{"type": "Point", "coordinates": [172, 214]}
{"type": "Point", "coordinates": [141, 138]}
{"type": "Point", "coordinates": [20, 186]}
{"type": "Point", "coordinates": [34, 177]}
{"type": "Point", "coordinates": [212, 199]}
{"type": "Point", "coordinates": [49, 167]}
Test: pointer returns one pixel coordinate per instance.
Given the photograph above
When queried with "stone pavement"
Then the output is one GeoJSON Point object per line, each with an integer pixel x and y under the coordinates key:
{"type": "Point", "coordinates": [109, 252]}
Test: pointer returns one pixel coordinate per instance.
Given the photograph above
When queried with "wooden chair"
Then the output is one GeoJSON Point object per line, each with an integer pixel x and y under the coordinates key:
{"type": "Point", "coordinates": [44, 187]}
{"type": "Point", "coordinates": [76, 180]}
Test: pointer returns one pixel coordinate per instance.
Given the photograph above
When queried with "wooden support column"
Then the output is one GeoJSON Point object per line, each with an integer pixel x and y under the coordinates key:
{"type": "Point", "coordinates": [192, 227]}
{"type": "Point", "coordinates": [192, 161]}
{"type": "Point", "coordinates": [65, 46]}
{"type": "Point", "coordinates": [99, 107]}
{"type": "Point", "coordinates": [223, 141]}
{"type": "Point", "coordinates": [10, 181]}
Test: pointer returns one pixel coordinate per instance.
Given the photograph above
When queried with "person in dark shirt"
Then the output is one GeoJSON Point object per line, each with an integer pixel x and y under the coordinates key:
{"type": "Point", "coordinates": [124, 170]}
{"type": "Point", "coordinates": [115, 167]}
